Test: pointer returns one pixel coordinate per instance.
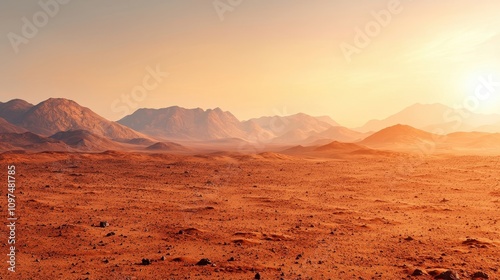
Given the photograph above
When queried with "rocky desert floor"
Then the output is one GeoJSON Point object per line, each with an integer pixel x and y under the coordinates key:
{"type": "Point", "coordinates": [267, 216]}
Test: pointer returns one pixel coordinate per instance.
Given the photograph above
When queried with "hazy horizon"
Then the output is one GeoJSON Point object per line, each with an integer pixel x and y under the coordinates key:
{"type": "Point", "coordinates": [256, 59]}
{"type": "Point", "coordinates": [276, 113]}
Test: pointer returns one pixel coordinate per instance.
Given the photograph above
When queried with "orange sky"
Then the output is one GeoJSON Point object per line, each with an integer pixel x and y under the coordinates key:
{"type": "Point", "coordinates": [259, 58]}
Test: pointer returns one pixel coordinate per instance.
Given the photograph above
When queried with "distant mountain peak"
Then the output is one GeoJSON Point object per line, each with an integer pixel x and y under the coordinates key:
{"type": "Point", "coordinates": [430, 116]}
{"type": "Point", "coordinates": [13, 110]}
{"type": "Point", "coordinates": [180, 123]}
{"type": "Point", "coordinates": [60, 114]}
{"type": "Point", "coordinates": [17, 101]}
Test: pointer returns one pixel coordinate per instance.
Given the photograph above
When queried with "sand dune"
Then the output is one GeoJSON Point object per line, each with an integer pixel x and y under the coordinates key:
{"type": "Point", "coordinates": [409, 139]}
{"type": "Point", "coordinates": [399, 137]}
{"type": "Point", "coordinates": [167, 147]}
{"type": "Point", "coordinates": [338, 146]}
{"type": "Point", "coordinates": [335, 150]}
{"type": "Point", "coordinates": [84, 140]}
{"type": "Point", "coordinates": [32, 142]}
{"type": "Point", "coordinates": [137, 141]}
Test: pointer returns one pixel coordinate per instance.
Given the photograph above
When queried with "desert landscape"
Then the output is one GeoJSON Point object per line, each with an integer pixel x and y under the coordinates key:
{"type": "Point", "coordinates": [103, 201]}
{"type": "Point", "coordinates": [272, 215]}
{"type": "Point", "coordinates": [233, 139]}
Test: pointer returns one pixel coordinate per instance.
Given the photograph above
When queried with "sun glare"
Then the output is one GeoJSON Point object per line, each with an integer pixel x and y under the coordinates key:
{"type": "Point", "coordinates": [481, 90]}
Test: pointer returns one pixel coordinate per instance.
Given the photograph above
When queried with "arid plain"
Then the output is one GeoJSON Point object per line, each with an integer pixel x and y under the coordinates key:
{"type": "Point", "coordinates": [267, 215]}
{"type": "Point", "coordinates": [179, 193]}
{"type": "Point", "coordinates": [250, 140]}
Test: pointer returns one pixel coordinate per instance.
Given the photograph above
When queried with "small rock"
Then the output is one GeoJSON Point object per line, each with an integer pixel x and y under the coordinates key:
{"type": "Point", "coordinates": [110, 234]}
{"type": "Point", "coordinates": [448, 275]}
{"type": "Point", "coordinates": [480, 275]}
{"type": "Point", "coordinates": [146, 262]}
{"type": "Point", "coordinates": [257, 276]}
{"type": "Point", "coordinates": [231, 259]}
{"type": "Point", "coordinates": [163, 258]}
{"type": "Point", "coordinates": [417, 272]}
{"type": "Point", "coordinates": [204, 262]}
{"type": "Point", "coordinates": [409, 238]}
{"type": "Point", "coordinates": [103, 224]}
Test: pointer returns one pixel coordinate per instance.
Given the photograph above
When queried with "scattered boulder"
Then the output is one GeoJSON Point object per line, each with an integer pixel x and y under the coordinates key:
{"type": "Point", "coordinates": [204, 262]}
{"type": "Point", "coordinates": [480, 275]}
{"type": "Point", "coordinates": [231, 259]}
{"type": "Point", "coordinates": [103, 224]}
{"type": "Point", "coordinates": [110, 234]}
{"type": "Point", "coordinates": [418, 272]}
{"type": "Point", "coordinates": [448, 275]}
{"type": "Point", "coordinates": [257, 276]}
{"type": "Point", "coordinates": [146, 262]}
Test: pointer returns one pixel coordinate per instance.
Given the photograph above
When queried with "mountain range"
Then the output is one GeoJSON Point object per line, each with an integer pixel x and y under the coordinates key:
{"type": "Point", "coordinates": [68, 126]}
{"type": "Point", "coordinates": [176, 123]}
{"type": "Point", "coordinates": [437, 118]}
{"type": "Point", "coordinates": [185, 124]}
{"type": "Point", "coordinates": [409, 139]}
{"type": "Point", "coordinates": [62, 124]}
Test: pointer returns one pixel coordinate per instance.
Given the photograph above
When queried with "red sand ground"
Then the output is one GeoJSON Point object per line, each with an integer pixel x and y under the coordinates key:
{"type": "Point", "coordinates": [286, 218]}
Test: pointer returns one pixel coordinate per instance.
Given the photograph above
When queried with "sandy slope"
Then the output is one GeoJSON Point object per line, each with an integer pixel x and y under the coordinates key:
{"type": "Point", "coordinates": [283, 217]}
